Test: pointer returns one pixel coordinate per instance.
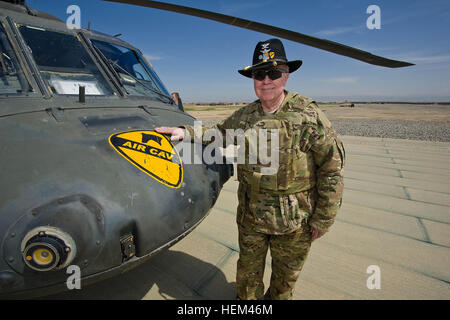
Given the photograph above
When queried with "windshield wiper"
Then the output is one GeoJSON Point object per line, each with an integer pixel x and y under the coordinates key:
{"type": "Point", "coordinates": [110, 67]}
{"type": "Point", "coordinates": [2, 62]}
{"type": "Point", "coordinates": [115, 64]}
{"type": "Point", "coordinates": [9, 53]}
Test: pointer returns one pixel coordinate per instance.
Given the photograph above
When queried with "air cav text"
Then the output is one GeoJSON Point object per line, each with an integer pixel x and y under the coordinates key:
{"type": "Point", "coordinates": [148, 149]}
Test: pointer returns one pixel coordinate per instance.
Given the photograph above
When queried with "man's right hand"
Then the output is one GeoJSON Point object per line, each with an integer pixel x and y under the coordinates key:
{"type": "Point", "coordinates": [176, 133]}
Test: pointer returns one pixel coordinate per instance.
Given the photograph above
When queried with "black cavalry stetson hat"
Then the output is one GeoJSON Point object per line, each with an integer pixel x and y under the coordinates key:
{"type": "Point", "coordinates": [269, 53]}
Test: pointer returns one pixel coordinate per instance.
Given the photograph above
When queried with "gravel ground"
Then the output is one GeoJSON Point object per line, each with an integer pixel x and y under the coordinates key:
{"type": "Point", "coordinates": [397, 129]}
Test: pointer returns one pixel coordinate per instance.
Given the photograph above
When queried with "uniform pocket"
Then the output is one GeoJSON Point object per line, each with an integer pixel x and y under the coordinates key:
{"type": "Point", "coordinates": [296, 209]}
{"type": "Point", "coordinates": [306, 203]}
{"type": "Point", "coordinates": [264, 211]}
{"type": "Point", "coordinates": [292, 214]}
{"type": "Point", "coordinates": [303, 165]}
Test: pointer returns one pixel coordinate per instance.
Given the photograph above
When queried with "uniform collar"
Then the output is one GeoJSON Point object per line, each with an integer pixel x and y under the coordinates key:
{"type": "Point", "coordinates": [285, 105]}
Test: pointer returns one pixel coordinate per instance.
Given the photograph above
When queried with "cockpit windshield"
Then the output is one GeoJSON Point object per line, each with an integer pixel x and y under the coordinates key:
{"type": "Point", "coordinates": [12, 78]}
{"type": "Point", "coordinates": [64, 63]}
{"type": "Point", "coordinates": [137, 77]}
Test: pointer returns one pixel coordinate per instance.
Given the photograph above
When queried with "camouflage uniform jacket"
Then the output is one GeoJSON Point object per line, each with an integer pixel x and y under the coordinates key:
{"type": "Point", "coordinates": [308, 185]}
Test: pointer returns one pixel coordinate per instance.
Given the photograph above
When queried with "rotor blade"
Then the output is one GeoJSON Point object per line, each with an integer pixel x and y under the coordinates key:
{"type": "Point", "coordinates": [323, 44]}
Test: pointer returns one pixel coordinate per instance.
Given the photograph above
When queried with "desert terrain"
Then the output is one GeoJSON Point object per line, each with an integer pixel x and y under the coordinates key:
{"type": "Point", "coordinates": [412, 121]}
{"type": "Point", "coordinates": [382, 111]}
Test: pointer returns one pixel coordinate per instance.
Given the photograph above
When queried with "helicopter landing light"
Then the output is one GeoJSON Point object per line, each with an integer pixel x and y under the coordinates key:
{"type": "Point", "coordinates": [47, 248]}
{"type": "Point", "coordinates": [41, 256]}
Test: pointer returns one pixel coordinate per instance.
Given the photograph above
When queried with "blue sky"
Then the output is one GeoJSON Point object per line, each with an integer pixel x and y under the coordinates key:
{"type": "Point", "coordinates": [200, 58]}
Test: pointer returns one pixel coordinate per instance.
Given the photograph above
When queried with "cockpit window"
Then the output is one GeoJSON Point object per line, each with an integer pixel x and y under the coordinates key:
{"type": "Point", "coordinates": [64, 63]}
{"type": "Point", "coordinates": [12, 78]}
{"type": "Point", "coordinates": [137, 77]}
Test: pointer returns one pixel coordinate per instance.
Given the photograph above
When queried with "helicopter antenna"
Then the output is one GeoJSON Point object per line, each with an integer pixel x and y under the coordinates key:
{"type": "Point", "coordinates": [323, 44]}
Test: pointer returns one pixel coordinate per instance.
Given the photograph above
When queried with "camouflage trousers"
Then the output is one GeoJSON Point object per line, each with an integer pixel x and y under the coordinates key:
{"type": "Point", "coordinates": [288, 254]}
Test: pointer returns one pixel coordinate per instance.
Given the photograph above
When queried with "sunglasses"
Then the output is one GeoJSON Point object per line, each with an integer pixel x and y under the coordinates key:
{"type": "Point", "coordinates": [272, 73]}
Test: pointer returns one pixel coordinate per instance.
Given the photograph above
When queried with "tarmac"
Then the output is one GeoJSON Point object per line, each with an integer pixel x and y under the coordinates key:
{"type": "Point", "coordinates": [390, 241]}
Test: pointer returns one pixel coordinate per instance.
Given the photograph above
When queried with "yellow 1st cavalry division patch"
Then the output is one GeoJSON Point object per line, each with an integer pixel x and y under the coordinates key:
{"type": "Point", "coordinates": [152, 153]}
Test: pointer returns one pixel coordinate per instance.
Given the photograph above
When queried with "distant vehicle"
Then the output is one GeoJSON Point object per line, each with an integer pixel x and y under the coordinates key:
{"type": "Point", "coordinates": [346, 104]}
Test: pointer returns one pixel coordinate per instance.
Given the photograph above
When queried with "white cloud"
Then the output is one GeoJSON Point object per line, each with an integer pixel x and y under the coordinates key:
{"type": "Point", "coordinates": [339, 30]}
{"type": "Point", "coordinates": [342, 80]}
{"type": "Point", "coordinates": [421, 58]}
{"type": "Point", "coordinates": [151, 57]}
{"type": "Point", "coordinates": [431, 59]}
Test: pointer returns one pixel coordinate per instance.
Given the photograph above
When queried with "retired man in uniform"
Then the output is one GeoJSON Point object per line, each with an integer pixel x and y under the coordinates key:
{"type": "Point", "coordinates": [289, 209]}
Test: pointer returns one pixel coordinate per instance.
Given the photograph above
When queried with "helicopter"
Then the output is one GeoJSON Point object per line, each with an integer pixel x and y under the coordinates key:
{"type": "Point", "coordinates": [86, 181]}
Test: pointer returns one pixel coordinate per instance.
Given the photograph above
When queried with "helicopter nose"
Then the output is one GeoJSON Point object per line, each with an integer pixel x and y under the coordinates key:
{"type": "Point", "coordinates": [47, 249]}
